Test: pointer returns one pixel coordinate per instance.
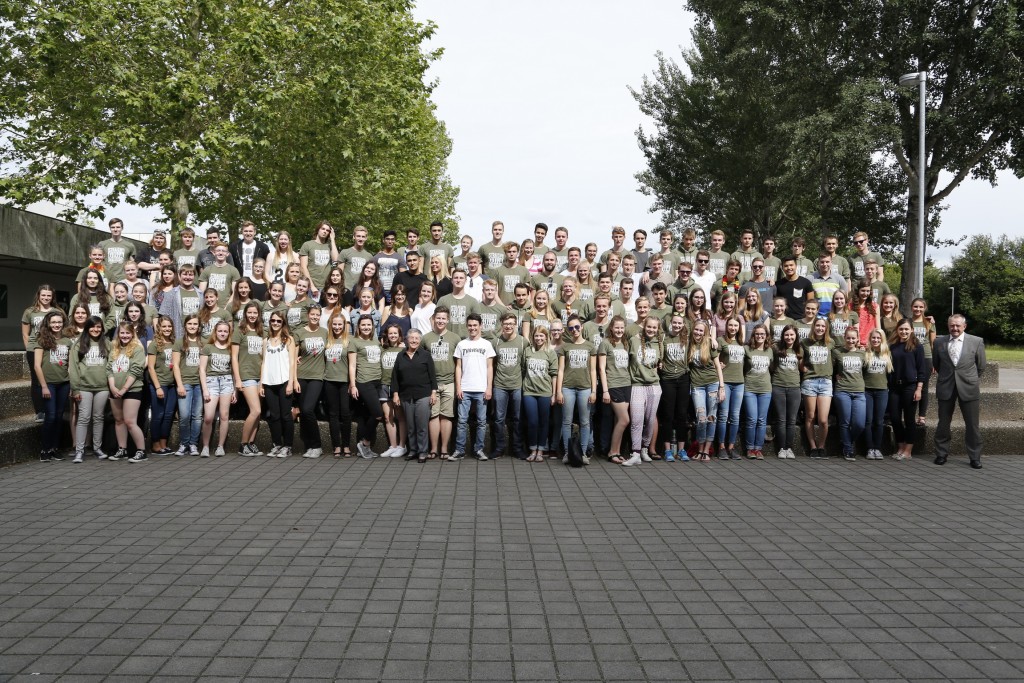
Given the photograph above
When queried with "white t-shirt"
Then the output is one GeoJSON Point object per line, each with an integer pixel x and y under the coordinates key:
{"type": "Point", "coordinates": [248, 254]}
{"type": "Point", "coordinates": [420, 317]}
{"type": "Point", "coordinates": [474, 355]}
{"type": "Point", "coordinates": [475, 286]}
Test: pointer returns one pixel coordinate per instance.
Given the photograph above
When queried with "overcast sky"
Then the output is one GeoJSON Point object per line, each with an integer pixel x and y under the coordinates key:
{"type": "Point", "coordinates": [535, 96]}
{"type": "Point", "coordinates": [536, 99]}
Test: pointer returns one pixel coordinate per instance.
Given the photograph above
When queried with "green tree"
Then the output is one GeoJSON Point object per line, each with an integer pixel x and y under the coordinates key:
{"type": "Point", "coordinates": [285, 112]}
{"type": "Point", "coordinates": [808, 89]}
{"type": "Point", "coordinates": [989, 280]}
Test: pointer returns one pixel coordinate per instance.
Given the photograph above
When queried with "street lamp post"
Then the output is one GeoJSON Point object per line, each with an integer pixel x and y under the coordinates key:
{"type": "Point", "coordinates": [918, 78]}
{"type": "Point", "coordinates": [952, 300]}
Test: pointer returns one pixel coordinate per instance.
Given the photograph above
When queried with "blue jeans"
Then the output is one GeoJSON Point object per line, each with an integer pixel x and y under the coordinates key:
{"type": "Point", "coordinates": [53, 413]}
{"type": "Point", "coordinates": [877, 402]}
{"type": "Point", "coordinates": [538, 412]}
{"type": "Point", "coordinates": [852, 408]}
{"type": "Point", "coordinates": [705, 405]}
{"type": "Point", "coordinates": [507, 404]}
{"type": "Point", "coordinates": [163, 411]}
{"type": "Point", "coordinates": [476, 399]}
{"type": "Point", "coordinates": [190, 415]}
{"type": "Point", "coordinates": [729, 413]}
{"type": "Point", "coordinates": [756, 419]}
{"type": "Point", "coordinates": [576, 400]}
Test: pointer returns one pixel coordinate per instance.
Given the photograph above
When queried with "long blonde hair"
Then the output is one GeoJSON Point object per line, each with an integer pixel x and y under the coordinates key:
{"type": "Point", "coordinates": [883, 350]}
{"type": "Point", "coordinates": [117, 350]}
{"type": "Point", "coordinates": [701, 350]}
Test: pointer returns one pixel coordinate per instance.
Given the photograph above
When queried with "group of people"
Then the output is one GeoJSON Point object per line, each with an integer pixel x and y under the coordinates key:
{"type": "Point", "coordinates": [654, 354]}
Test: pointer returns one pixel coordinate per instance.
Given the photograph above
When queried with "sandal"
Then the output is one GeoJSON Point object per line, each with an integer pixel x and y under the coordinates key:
{"type": "Point", "coordinates": [921, 421]}
{"type": "Point", "coordinates": [347, 453]}
{"type": "Point", "coordinates": [616, 459]}
{"type": "Point", "coordinates": [337, 452]}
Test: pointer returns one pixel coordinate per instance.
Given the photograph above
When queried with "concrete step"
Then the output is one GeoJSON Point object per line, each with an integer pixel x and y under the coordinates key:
{"type": "Point", "coordinates": [13, 366]}
{"type": "Point", "coordinates": [20, 439]}
{"type": "Point", "coordinates": [15, 399]}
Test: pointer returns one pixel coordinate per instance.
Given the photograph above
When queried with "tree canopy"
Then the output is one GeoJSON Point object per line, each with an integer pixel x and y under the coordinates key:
{"type": "Point", "coordinates": [279, 112]}
{"type": "Point", "coordinates": [785, 116]}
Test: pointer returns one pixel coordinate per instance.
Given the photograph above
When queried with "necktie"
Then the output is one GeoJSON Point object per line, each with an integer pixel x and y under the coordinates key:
{"type": "Point", "coordinates": [954, 351]}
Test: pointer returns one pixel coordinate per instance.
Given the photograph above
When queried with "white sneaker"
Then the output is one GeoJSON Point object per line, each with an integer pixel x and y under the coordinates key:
{"type": "Point", "coordinates": [79, 456]}
{"type": "Point", "coordinates": [782, 454]}
{"type": "Point", "coordinates": [273, 452]}
{"type": "Point", "coordinates": [399, 451]}
{"type": "Point", "coordinates": [284, 452]}
{"type": "Point", "coordinates": [313, 453]}
{"type": "Point", "coordinates": [182, 450]}
{"type": "Point", "coordinates": [205, 452]}
{"type": "Point", "coordinates": [586, 459]}
{"type": "Point", "coordinates": [645, 456]}
{"type": "Point", "coordinates": [388, 452]}
{"type": "Point", "coordinates": [194, 450]}
{"type": "Point", "coordinates": [100, 455]}
{"type": "Point", "coordinates": [219, 452]}
{"type": "Point", "coordinates": [634, 459]}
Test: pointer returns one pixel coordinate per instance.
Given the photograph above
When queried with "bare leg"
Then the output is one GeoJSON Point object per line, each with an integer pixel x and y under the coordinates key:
{"type": "Point", "coordinates": [252, 420]}
{"type": "Point", "coordinates": [130, 412]}
{"type": "Point", "coordinates": [621, 411]}
{"type": "Point", "coordinates": [810, 406]}
{"type": "Point", "coordinates": [446, 432]}
{"type": "Point", "coordinates": [824, 404]}
{"type": "Point", "coordinates": [120, 430]}
{"type": "Point", "coordinates": [224, 403]}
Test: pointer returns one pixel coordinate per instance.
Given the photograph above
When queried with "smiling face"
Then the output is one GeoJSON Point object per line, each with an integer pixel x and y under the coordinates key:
{"type": "Point", "coordinates": [120, 293]}
{"type": "Point", "coordinates": [394, 335]}
{"type": "Point", "coordinates": [338, 326]}
{"type": "Point", "coordinates": [875, 340]}
{"type": "Point", "coordinates": [314, 317]}
{"type": "Point", "coordinates": [166, 329]}
{"type": "Point", "coordinates": [56, 324]}
{"type": "Point", "coordinates": [210, 298]}
{"type": "Point", "coordinates": [732, 328]}
{"type": "Point", "coordinates": [192, 327]}
{"type": "Point", "coordinates": [125, 335]}
{"type": "Point", "coordinates": [96, 331]}
{"type": "Point", "coordinates": [789, 337]}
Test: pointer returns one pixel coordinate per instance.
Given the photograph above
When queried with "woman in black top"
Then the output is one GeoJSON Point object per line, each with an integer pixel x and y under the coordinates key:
{"type": "Point", "coordinates": [414, 388]}
{"type": "Point", "coordinates": [906, 384]}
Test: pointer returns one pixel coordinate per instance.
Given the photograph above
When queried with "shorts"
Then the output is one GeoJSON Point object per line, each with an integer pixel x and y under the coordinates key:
{"type": "Point", "coordinates": [220, 385]}
{"type": "Point", "coordinates": [818, 386]}
{"type": "Point", "coordinates": [620, 394]}
{"type": "Point", "coordinates": [385, 393]}
{"type": "Point", "coordinates": [445, 405]}
{"type": "Point", "coordinates": [246, 383]}
{"type": "Point", "coordinates": [134, 395]}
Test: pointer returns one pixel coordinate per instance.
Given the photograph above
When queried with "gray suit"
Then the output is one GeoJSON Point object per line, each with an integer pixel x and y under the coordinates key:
{"type": "Point", "coordinates": [959, 383]}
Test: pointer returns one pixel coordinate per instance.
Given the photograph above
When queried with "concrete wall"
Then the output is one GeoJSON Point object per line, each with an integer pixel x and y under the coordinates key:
{"type": "Point", "coordinates": [36, 249]}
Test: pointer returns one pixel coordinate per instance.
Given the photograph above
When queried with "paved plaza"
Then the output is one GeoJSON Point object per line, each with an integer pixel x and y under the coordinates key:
{"type": "Point", "coordinates": [262, 569]}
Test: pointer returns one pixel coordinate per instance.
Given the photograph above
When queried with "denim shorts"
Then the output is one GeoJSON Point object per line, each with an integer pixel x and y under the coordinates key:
{"type": "Point", "coordinates": [818, 386]}
{"type": "Point", "coordinates": [385, 393]}
{"type": "Point", "coordinates": [246, 383]}
{"type": "Point", "coordinates": [220, 385]}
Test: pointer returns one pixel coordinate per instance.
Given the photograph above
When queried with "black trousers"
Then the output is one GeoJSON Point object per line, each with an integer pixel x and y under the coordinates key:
{"type": "Point", "coordinates": [972, 432]}
{"type": "Point", "coordinates": [309, 428]}
{"type": "Point", "coordinates": [279, 414]}
{"type": "Point", "coordinates": [674, 409]}
{"type": "Point", "coordinates": [371, 414]}
{"type": "Point", "coordinates": [338, 415]}
{"type": "Point", "coordinates": [902, 410]}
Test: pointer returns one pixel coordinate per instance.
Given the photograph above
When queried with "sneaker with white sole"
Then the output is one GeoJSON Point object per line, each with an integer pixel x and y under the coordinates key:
{"type": "Point", "coordinates": [182, 450]}
{"type": "Point", "coordinates": [273, 452]}
{"type": "Point", "coordinates": [219, 452]}
{"type": "Point", "coordinates": [119, 454]}
{"type": "Point", "coordinates": [634, 459]}
{"type": "Point", "coordinates": [140, 456]}
{"type": "Point", "coordinates": [254, 449]}
{"type": "Point", "coordinates": [193, 450]}
{"type": "Point", "coordinates": [313, 453]}
{"type": "Point", "coordinates": [645, 456]}
{"type": "Point", "coordinates": [205, 453]}
{"type": "Point", "coordinates": [480, 455]}
{"type": "Point", "coordinates": [456, 456]}
{"type": "Point", "coordinates": [387, 453]}
{"type": "Point", "coordinates": [284, 452]}
{"type": "Point", "coordinates": [100, 455]}
{"type": "Point", "coordinates": [399, 451]}
{"type": "Point", "coordinates": [79, 457]}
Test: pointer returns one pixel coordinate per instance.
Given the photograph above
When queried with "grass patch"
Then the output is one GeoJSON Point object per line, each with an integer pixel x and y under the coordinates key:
{"type": "Point", "coordinates": [1004, 354]}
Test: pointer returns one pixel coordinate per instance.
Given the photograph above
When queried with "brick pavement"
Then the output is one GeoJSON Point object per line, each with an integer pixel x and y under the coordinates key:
{"type": "Point", "coordinates": [260, 569]}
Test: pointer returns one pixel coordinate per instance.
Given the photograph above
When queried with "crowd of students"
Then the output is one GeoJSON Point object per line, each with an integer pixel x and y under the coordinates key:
{"type": "Point", "coordinates": [677, 353]}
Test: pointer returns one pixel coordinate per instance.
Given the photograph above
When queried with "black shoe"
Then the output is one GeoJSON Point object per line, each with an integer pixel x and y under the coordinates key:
{"type": "Point", "coordinates": [941, 460]}
{"type": "Point", "coordinates": [496, 454]}
{"type": "Point", "coordinates": [55, 455]}
{"type": "Point", "coordinates": [975, 464]}
{"type": "Point", "coordinates": [44, 456]}
{"type": "Point", "coordinates": [119, 454]}
{"type": "Point", "coordinates": [140, 456]}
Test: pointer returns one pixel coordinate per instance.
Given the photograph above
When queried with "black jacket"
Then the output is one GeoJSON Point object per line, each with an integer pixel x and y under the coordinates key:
{"type": "Point", "coordinates": [414, 378]}
{"type": "Point", "coordinates": [262, 251]}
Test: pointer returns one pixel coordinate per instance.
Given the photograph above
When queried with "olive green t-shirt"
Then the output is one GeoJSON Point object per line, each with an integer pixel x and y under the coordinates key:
{"type": "Point", "coordinates": [336, 361]}
{"type": "Point", "coordinates": [787, 370]}
{"type": "Point", "coordinates": [616, 364]}
{"type": "Point", "coordinates": [776, 326]}
{"type": "Point", "coordinates": [33, 319]}
{"type": "Point", "coordinates": [508, 366]}
{"type": "Point", "coordinates": [190, 301]}
{"type": "Point", "coordinates": [250, 353]}
{"type": "Point", "coordinates": [297, 314]}
{"type": "Point", "coordinates": [221, 278]}
{"type": "Point", "coordinates": [218, 362]}
{"type": "Point", "coordinates": [163, 364]}
{"type": "Point", "coordinates": [803, 330]}
{"type": "Point", "coordinates": [541, 367]}
{"type": "Point", "coordinates": [849, 367]}
{"type": "Point", "coordinates": [318, 261]}
{"type": "Point", "coordinates": [757, 364]}
{"type": "Point", "coordinates": [576, 373]}
{"type": "Point", "coordinates": [442, 350]}
{"type": "Point", "coordinates": [644, 356]}
{"type": "Point", "coordinates": [188, 361]}
{"type": "Point", "coordinates": [353, 260]}
{"type": "Point", "coordinates": [88, 373]}
{"type": "Point", "coordinates": [876, 373]}
{"type": "Point", "coordinates": [367, 353]}
{"type": "Point", "coordinates": [923, 338]}
{"type": "Point", "coordinates": [114, 315]}
{"type": "Point", "coordinates": [732, 356]}
{"type": "Point", "coordinates": [92, 303]}
{"type": "Point", "coordinates": [124, 365]}
{"type": "Point", "coordinates": [838, 326]}
{"type": "Point", "coordinates": [310, 346]}
{"type": "Point", "coordinates": [817, 360]}
{"type": "Point", "coordinates": [116, 255]}
{"type": "Point", "coordinates": [269, 308]}
{"type": "Point", "coordinates": [186, 257]}
{"type": "Point", "coordinates": [458, 309]}
{"type": "Point", "coordinates": [701, 374]}
{"type": "Point", "coordinates": [55, 361]}
{"type": "Point", "coordinates": [206, 329]}
{"type": "Point", "coordinates": [673, 362]}
{"type": "Point", "coordinates": [388, 357]}
{"type": "Point", "coordinates": [507, 279]}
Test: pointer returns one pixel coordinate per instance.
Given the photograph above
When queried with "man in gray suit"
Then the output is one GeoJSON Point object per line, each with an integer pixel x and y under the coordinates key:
{"type": "Point", "coordinates": [959, 359]}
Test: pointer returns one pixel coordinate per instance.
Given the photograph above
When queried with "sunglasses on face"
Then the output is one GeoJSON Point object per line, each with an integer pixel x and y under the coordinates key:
{"type": "Point", "coordinates": [575, 327]}
{"type": "Point", "coordinates": [702, 260]}
{"type": "Point", "coordinates": [859, 241]}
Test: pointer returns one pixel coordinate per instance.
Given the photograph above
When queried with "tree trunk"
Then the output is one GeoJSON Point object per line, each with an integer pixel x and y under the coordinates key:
{"type": "Point", "coordinates": [180, 208]}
